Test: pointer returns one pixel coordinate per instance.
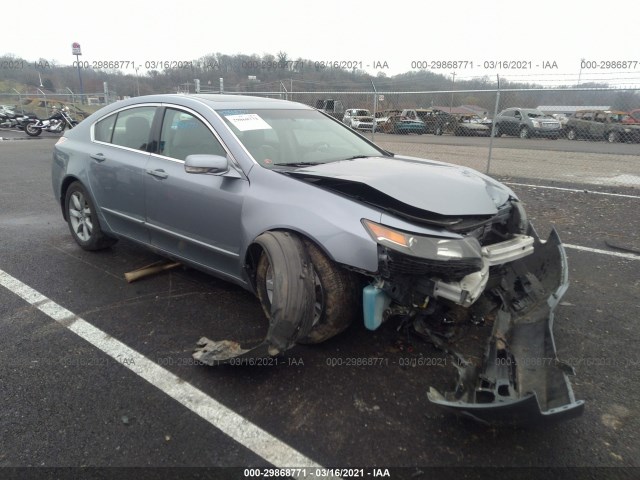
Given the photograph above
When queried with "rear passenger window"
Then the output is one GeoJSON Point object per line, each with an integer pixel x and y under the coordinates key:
{"type": "Point", "coordinates": [183, 135]}
{"type": "Point", "coordinates": [132, 127]}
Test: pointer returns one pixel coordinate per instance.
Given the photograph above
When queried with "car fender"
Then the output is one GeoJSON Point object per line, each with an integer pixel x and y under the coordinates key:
{"type": "Point", "coordinates": [277, 201]}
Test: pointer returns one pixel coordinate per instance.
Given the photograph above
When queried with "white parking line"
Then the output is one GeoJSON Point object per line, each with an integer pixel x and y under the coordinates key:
{"type": "Point", "coordinates": [630, 256]}
{"type": "Point", "coordinates": [572, 190]}
{"type": "Point", "coordinates": [235, 426]}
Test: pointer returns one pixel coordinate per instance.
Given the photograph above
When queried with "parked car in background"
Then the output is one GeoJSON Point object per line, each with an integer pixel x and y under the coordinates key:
{"type": "Point", "coordinates": [468, 125]}
{"type": "Point", "coordinates": [325, 227]}
{"type": "Point", "coordinates": [633, 118]}
{"type": "Point", "coordinates": [525, 123]}
{"type": "Point", "coordinates": [358, 119]}
{"type": "Point", "coordinates": [398, 123]}
{"type": "Point", "coordinates": [381, 117]}
{"type": "Point", "coordinates": [434, 120]}
{"type": "Point", "coordinates": [563, 118]}
{"type": "Point", "coordinates": [606, 125]}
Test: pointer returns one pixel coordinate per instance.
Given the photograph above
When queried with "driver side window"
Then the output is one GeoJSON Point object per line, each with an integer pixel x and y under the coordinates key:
{"type": "Point", "coordinates": [183, 134]}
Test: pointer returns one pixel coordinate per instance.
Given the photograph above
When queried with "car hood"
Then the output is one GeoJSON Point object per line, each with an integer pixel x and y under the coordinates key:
{"type": "Point", "coordinates": [409, 184]}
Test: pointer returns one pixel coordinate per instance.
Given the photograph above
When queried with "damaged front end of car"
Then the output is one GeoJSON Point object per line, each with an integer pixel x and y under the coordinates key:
{"type": "Point", "coordinates": [484, 292]}
{"type": "Point", "coordinates": [500, 278]}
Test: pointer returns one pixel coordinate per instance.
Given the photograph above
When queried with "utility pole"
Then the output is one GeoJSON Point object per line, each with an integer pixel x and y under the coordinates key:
{"type": "Point", "coordinates": [452, 87]}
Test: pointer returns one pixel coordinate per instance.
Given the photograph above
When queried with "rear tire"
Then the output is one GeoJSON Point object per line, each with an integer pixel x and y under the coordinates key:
{"type": "Point", "coordinates": [83, 220]}
{"type": "Point", "coordinates": [524, 133]}
{"type": "Point", "coordinates": [571, 134]}
{"type": "Point", "coordinates": [31, 130]}
{"type": "Point", "coordinates": [613, 137]}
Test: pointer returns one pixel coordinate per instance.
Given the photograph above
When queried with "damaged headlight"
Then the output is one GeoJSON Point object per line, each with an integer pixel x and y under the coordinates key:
{"type": "Point", "coordinates": [440, 249]}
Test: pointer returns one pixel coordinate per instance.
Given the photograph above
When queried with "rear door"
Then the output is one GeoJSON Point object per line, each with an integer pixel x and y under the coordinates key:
{"type": "Point", "coordinates": [116, 171]}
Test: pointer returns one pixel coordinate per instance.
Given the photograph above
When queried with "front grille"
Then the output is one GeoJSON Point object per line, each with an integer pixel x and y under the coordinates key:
{"type": "Point", "coordinates": [400, 264]}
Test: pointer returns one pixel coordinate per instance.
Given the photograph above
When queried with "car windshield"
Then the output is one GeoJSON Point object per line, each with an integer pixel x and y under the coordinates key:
{"type": "Point", "coordinates": [362, 113]}
{"type": "Point", "coordinates": [295, 137]}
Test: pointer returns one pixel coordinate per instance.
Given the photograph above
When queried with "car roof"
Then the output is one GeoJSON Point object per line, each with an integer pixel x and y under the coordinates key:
{"type": "Point", "coordinates": [224, 101]}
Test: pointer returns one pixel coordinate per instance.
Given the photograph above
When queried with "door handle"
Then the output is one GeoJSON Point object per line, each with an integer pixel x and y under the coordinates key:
{"type": "Point", "coordinates": [99, 157]}
{"type": "Point", "coordinates": [158, 173]}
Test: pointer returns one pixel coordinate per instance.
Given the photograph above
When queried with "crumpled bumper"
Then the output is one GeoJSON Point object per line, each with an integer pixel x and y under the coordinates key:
{"type": "Point", "coordinates": [521, 379]}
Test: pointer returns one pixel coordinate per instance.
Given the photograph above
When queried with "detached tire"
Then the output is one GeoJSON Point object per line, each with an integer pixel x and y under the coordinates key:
{"type": "Point", "coordinates": [83, 220]}
{"type": "Point", "coordinates": [336, 303]}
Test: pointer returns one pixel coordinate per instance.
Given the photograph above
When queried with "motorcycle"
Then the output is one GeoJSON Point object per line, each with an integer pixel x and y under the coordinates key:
{"type": "Point", "coordinates": [10, 119]}
{"type": "Point", "coordinates": [56, 123]}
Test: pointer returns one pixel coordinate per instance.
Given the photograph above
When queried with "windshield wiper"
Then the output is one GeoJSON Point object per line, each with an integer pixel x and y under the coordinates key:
{"type": "Point", "coordinates": [297, 164]}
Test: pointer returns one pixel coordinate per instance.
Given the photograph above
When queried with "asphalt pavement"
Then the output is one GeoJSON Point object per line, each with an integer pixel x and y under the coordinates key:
{"type": "Point", "coordinates": [66, 403]}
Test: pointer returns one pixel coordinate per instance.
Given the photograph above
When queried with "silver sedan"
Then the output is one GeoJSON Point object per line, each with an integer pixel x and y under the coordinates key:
{"type": "Point", "coordinates": [325, 227]}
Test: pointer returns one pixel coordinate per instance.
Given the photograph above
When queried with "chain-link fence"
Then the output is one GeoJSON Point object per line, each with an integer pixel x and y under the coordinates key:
{"type": "Point", "coordinates": [573, 135]}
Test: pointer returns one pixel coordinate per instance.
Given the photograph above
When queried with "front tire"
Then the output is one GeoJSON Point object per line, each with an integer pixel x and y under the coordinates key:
{"type": "Point", "coordinates": [524, 133]}
{"type": "Point", "coordinates": [285, 286]}
{"type": "Point", "coordinates": [613, 137]}
{"type": "Point", "coordinates": [83, 220]}
{"type": "Point", "coordinates": [335, 297]}
{"type": "Point", "coordinates": [571, 134]}
{"type": "Point", "coordinates": [296, 280]}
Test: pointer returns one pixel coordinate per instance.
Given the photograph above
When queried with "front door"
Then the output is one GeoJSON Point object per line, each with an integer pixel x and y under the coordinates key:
{"type": "Point", "coordinates": [193, 216]}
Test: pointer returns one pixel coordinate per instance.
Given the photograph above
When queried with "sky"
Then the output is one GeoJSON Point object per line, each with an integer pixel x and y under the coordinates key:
{"type": "Point", "coordinates": [486, 37]}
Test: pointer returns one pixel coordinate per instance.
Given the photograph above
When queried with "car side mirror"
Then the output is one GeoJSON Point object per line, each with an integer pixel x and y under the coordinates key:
{"type": "Point", "coordinates": [203, 163]}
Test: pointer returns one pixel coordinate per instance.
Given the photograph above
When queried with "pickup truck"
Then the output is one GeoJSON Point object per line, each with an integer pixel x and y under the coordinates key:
{"type": "Point", "coordinates": [332, 107]}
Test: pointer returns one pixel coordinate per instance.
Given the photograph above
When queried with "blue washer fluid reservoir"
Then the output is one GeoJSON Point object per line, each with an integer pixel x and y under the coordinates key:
{"type": "Point", "coordinates": [374, 302]}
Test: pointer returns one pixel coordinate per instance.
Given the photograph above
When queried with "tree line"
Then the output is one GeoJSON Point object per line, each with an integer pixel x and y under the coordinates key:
{"type": "Point", "coordinates": [279, 73]}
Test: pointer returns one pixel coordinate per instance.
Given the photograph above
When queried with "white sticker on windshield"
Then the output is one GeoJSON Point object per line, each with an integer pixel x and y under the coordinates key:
{"type": "Point", "coordinates": [248, 121]}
